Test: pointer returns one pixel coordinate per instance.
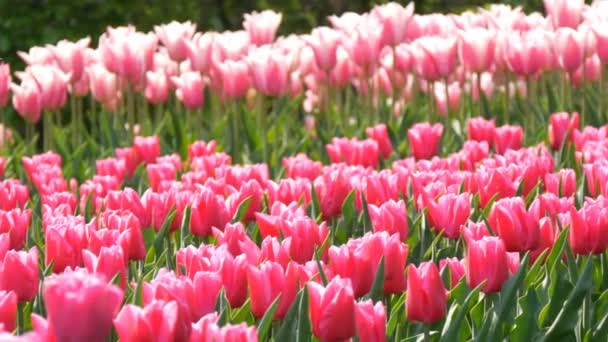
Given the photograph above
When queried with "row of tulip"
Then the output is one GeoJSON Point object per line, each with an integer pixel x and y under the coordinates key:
{"type": "Point", "coordinates": [390, 57]}
{"type": "Point", "coordinates": [492, 240]}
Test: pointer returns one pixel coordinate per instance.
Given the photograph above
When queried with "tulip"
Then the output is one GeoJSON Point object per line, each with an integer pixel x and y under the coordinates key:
{"type": "Point", "coordinates": [262, 27]}
{"type": "Point", "coordinates": [486, 259]}
{"type": "Point", "coordinates": [267, 283]}
{"type": "Point", "coordinates": [353, 152]}
{"type": "Point", "coordinates": [565, 13]}
{"type": "Point", "coordinates": [16, 223]}
{"type": "Point", "coordinates": [231, 332]}
{"type": "Point", "coordinates": [561, 183]}
{"type": "Point", "coordinates": [474, 231]}
{"type": "Point", "coordinates": [570, 49]}
{"type": "Point", "coordinates": [8, 310]}
{"type": "Point", "coordinates": [589, 229]}
{"type": "Point", "coordinates": [452, 102]}
{"type": "Point", "coordinates": [109, 262]}
{"type": "Point", "coordinates": [547, 238]}
{"type": "Point", "coordinates": [426, 299]}
{"type": "Point", "coordinates": [379, 133]}
{"type": "Point", "coordinates": [528, 53]}
{"type": "Point", "coordinates": [159, 320]}
{"type": "Point", "coordinates": [104, 86]}
{"type": "Point", "coordinates": [234, 79]}
{"type": "Point", "coordinates": [394, 19]}
{"type": "Point", "coordinates": [200, 328]}
{"type": "Point", "coordinates": [456, 268]}
{"type": "Point", "coordinates": [19, 273]}
{"type": "Point", "coordinates": [27, 100]}
{"type": "Point", "coordinates": [190, 89]}
{"type": "Point", "coordinates": [83, 295]}
{"type": "Point", "coordinates": [208, 210]}
{"type": "Point", "coordinates": [561, 128]}
{"type": "Point", "coordinates": [332, 189]}
{"type": "Point", "coordinates": [158, 173]}
{"type": "Point", "coordinates": [234, 277]}
{"type": "Point", "coordinates": [324, 42]}
{"type": "Point", "coordinates": [476, 49]}
{"type": "Point", "coordinates": [157, 87]}
{"type": "Point", "coordinates": [371, 321]}
{"type": "Point", "coordinates": [147, 149]}
{"type": "Point", "coordinates": [111, 167]}
{"type": "Point", "coordinates": [332, 310]}
{"type": "Point", "coordinates": [127, 199]}
{"type": "Point", "coordinates": [364, 44]}
{"type": "Point", "coordinates": [424, 139]}
{"type": "Point", "coordinates": [448, 213]}
{"type": "Point", "coordinates": [53, 85]}
{"type": "Point", "coordinates": [37, 55]}
{"type": "Point", "coordinates": [435, 57]}
{"type": "Point", "coordinates": [200, 149]}
{"type": "Point", "coordinates": [514, 225]}
{"type": "Point", "coordinates": [64, 245]}
{"type": "Point", "coordinates": [390, 217]}
{"type": "Point", "coordinates": [507, 137]}
{"type": "Point", "coordinates": [269, 71]}
{"type": "Point", "coordinates": [5, 83]}
{"type": "Point", "coordinates": [70, 57]}
{"type": "Point", "coordinates": [174, 36]}
{"type": "Point", "coordinates": [600, 29]}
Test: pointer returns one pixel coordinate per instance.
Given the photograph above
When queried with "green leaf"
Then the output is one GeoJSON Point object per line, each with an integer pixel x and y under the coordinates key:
{"type": "Point", "coordinates": [222, 306]}
{"type": "Point", "coordinates": [239, 215]}
{"type": "Point", "coordinates": [265, 322]}
{"type": "Point", "coordinates": [163, 233]}
{"type": "Point", "coordinates": [453, 322]}
{"type": "Point", "coordinates": [526, 325]}
{"type": "Point", "coordinates": [303, 328]}
{"type": "Point", "coordinates": [558, 249]}
{"type": "Point", "coordinates": [377, 290]}
{"type": "Point", "coordinates": [184, 229]}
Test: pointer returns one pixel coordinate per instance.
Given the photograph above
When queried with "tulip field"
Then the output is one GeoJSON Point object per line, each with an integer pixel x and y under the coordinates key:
{"type": "Point", "coordinates": [391, 176]}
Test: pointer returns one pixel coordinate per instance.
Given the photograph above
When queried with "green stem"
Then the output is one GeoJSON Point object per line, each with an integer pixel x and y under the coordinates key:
{"type": "Point", "coordinates": [507, 97]}
{"type": "Point", "coordinates": [427, 333]}
{"type": "Point", "coordinates": [602, 92]}
{"type": "Point", "coordinates": [47, 124]}
{"type": "Point", "coordinates": [75, 128]}
{"type": "Point", "coordinates": [20, 318]}
{"type": "Point", "coordinates": [479, 95]}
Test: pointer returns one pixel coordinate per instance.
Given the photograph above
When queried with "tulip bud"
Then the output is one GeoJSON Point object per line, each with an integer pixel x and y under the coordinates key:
{"type": "Point", "coordinates": [427, 298]}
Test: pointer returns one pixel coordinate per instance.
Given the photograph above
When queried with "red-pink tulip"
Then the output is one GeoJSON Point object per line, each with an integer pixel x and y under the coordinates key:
{"type": "Point", "coordinates": [302, 166]}
{"type": "Point", "coordinates": [561, 128]}
{"type": "Point", "coordinates": [5, 83]}
{"type": "Point", "coordinates": [174, 36]}
{"type": "Point", "coordinates": [426, 299]}
{"type": "Point", "coordinates": [83, 295]}
{"type": "Point", "coordinates": [371, 321]}
{"type": "Point", "coordinates": [448, 213]}
{"type": "Point", "coordinates": [511, 221]}
{"type": "Point", "coordinates": [486, 259]}
{"type": "Point", "coordinates": [19, 273]}
{"type": "Point", "coordinates": [262, 27]}
{"type": "Point", "coordinates": [270, 281]}
{"type": "Point", "coordinates": [109, 262]}
{"type": "Point", "coordinates": [234, 277]}
{"type": "Point", "coordinates": [589, 229]}
{"type": "Point", "coordinates": [147, 149]}
{"type": "Point", "coordinates": [476, 49]}
{"type": "Point", "coordinates": [231, 333]}
{"type": "Point", "coordinates": [456, 268]}
{"type": "Point", "coordinates": [157, 321]}
{"type": "Point", "coordinates": [508, 137]}
{"type": "Point", "coordinates": [390, 217]}
{"type": "Point", "coordinates": [64, 245]}
{"type": "Point", "coordinates": [8, 310]}
{"type": "Point", "coordinates": [548, 234]}
{"type": "Point", "coordinates": [16, 223]}
{"type": "Point", "coordinates": [561, 183]}
{"type": "Point", "coordinates": [424, 139]}
{"type": "Point", "coordinates": [379, 133]}
{"type": "Point", "coordinates": [332, 310]}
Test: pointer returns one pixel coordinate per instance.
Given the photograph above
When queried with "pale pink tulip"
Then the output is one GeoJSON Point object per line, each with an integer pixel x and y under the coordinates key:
{"type": "Point", "coordinates": [394, 19]}
{"type": "Point", "coordinates": [269, 71]}
{"type": "Point", "coordinates": [200, 50]}
{"type": "Point", "coordinates": [70, 57]}
{"type": "Point", "coordinates": [476, 49]}
{"type": "Point", "coordinates": [234, 78]}
{"type": "Point", "coordinates": [435, 57]}
{"type": "Point", "coordinates": [324, 43]}
{"type": "Point", "coordinates": [27, 100]}
{"type": "Point", "coordinates": [570, 48]}
{"type": "Point", "coordinates": [174, 36]}
{"type": "Point", "coordinates": [565, 13]}
{"type": "Point", "coordinates": [157, 87]}
{"type": "Point", "coordinates": [262, 27]}
{"type": "Point", "coordinates": [37, 55]}
{"type": "Point", "coordinates": [104, 86]}
{"type": "Point", "coordinates": [5, 83]}
{"type": "Point", "coordinates": [189, 89]}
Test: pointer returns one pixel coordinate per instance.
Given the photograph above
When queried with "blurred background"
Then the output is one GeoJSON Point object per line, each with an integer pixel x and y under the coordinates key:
{"type": "Point", "coordinates": [26, 23]}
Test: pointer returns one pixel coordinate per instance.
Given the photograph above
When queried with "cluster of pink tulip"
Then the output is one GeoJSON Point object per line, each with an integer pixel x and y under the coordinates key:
{"type": "Point", "coordinates": [388, 53]}
{"type": "Point", "coordinates": [95, 262]}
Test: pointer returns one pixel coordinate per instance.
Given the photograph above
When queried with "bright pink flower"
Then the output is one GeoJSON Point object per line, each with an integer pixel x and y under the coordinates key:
{"type": "Point", "coordinates": [486, 259]}
{"type": "Point", "coordinates": [52, 82]}
{"type": "Point", "coordinates": [390, 217]}
{"type": "Point", "coordinates": [16, 223]}
{"type": "Point", "coordinates": [452, 103]}
{"type": "Point", "coordinates": [231, 332]}
{"type": "Point", "coordinates": [147, 149]}
{"type": "Point", "coordinates": [565, 13]}
{"type": "Point", "coordinates": [561, 183]}
{"type": "Point", "coordinates": [27, 100]}
{"type": "Point", "coordinates": [70, 57]}
{"type": "Point", "coordinates": [589, 229]}
{"type": "Point", "coordinates": [508, 137]}
{"type": "Point", "coordinates": [128, 225]}
{"type": "Point", "coordinates": [456, 268]}
{"type": "Point", "coordinates": [379, 133]}
{"type": "Point", "coordinates": [364, 44]}
{"type": "Point", "coordinates": [511, 221]}
{"type": "Point", "coordinates": [127, 199]}
{"type": "Point", "coordinates": [426, 299]}
{"type": "Point", "coordinates": [448, 213]}
{"type": "Point", "coordinates": [234, 277]}
{"type": "Point", "coordinates": [5, 83]}
{"type": "Point", "coordinates": [19, 273]}
{"type": "Point", "coordinates": [570, 48]}
{"type": "Point", "coordinates": [332, 310]}
{"type": "Point", "coordinates": [302, 166]}
{"type": "Point", "coordinates": [8, 310]}
{"type": "Point", "coordinates": [271, 280]}
{"type": "Point", "coordinates": [262, 27]}
{"type": "Point", "coordinates": [353, 152]}
{"type": "Point", "coordinates": [64, 245]}
{"type": "Point", "coordinates": [157, 321]}
{"type": "Point", "coordinates": [548, 234]}
{"type": "Point", "coordinates": [371, 321]}
{"type": "Point", "coordinates": [109, 262]}
{"type": "Point", "coordinates": [476, 49]}
{"type": "Point", "coordinates": [424, 139]}
{"type": "Point", "coordinates": [561, 128]}
{"type": "Point", "coordinates": [190, 89]}
{"type": "Point", "coordinates": [435, 57]}
{"type": "Point", "coordinates": [332, 189]}
{"type": "Point", "coordinates": [174, 36]}
{"type": "Point", "coordinates": [394, 19]}
{"type": "Point", "coordinates": [111, 167]}
{"type": "Point", "coordinates": [597, 178]}
{"type": "Point", "coordinates": [157, 173]}
{"type": "Point", "coordinates": [208, 210]}
{"type": "Point", "coordinates": [324, 42]}
{"type": "Point", "coordinates": [200, 149]}
{"type": "Point", "coordinates": [83, 295]}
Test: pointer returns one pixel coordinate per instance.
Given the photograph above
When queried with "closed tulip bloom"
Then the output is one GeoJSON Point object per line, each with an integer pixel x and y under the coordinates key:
{"type": "Point", "coordinates": [379, 133]}
{"type": "Point", "coordinates": [597, 178]}
{"type": "Point", "coordinates": [476, 49]}
{"type": "Point", "coordinates": [200, 51]}
{"type": "Point", "coordinates": [8, 310]}
{"type": "Point", "coordinates": [86, 296]}
{"type": "Point", "coordinates": [27, 100]}
{"type": "Point", "coordinates": [435, 57]}
{"type": "Point", "coordinates": [426, 299]}
{"type": "Point", "coordinates": [174, 36]}
{"type": "Point", "coordinates": [157, 321]}
{"type": "Point", "coordinates": [561, 183]}
{"type": "Point", "coordinates": [589, 229]}
{"type": "Point", "coordinates": [561, 128]}
{"type": "Point", "coordinates": [190, 89]}
{"type": "Point", "coordinates": [548, 234]}
{"type": "Point", "coordinates": [234, 277]}
{"type": "Point", "coordinates": [508, 137]}
{"type": "Point", "coordinates": [234, 79]}
{"type": "Point", "coordinates": [270, 71]}
{"type": "Point", "coordinates": [390, 217]}
{"type": "Point", "coordinates": [456, 268]}
{"type": "Point", "coordinates": [565, 13]}
{"type": "Point", "coordinates": [267, 283]}
{"type": "Point", "coordinates": [424, 139]}
{"type": "Point", "coordinates": [600, 29]}
{"type": "Point", "coordinates": [486, 259]}
{"type": "Point", "coordinates": [37, 55]}
{"type": "Point", "coordinates": [448, 213]}
{"type": "Point", "coordinates": [324, 42]}
{"type": "Point", "coordinates": [231, 332]}
{"type": "Point", "coordinates": [70, 57]}
{"type": "Point", "coordinates": [332, 310]}
{"type": "Point", "coordinates": [5, 83]}
{"type": "Point", "coordinates": [570, 49]}
{"type": "Point", "coordinates": [157, 87]}
{"type": "Point", "coordinates": [528, 53]}
{"type": "Point", "coordinates": [262, 27]}
{"type": "Point", "coordinates": [513, 224]}
{"type": "Point", "coordinates": [394, 19]}
{"type": "Point", "coordinates": [52, 82]}
{"type": "Point", "coordinates": [64, 245]}
{"type": "Point", "coordinates": [16, 223]}
{"type": "Point", "coordinates": [109, 262]}
{"type": "Point", "coordinates": [147, 149]}
{"type": "Point", "coordinates": [104, 86]}
{"type": "Point", "coordinates": [19, 273]}
{"type": "Point", "coordinates": [371, 321]}
{"type": "Point", "coordinates": [364, 44]}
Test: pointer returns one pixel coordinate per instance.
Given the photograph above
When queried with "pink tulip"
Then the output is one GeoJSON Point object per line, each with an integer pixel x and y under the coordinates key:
{"type": "Point", "coordinates": [390, 217]}
{"type": "Point", "coordinates": [456, 268]}
{"type": "Point", "coordinates": [570, 48]}
{"type": "Point", "coordinates": [157, 87]}
{"type": "Point", "coordinates": [110, 262]}
{"type": "Point", "coordinates": [200, 51]}
{"type": "Point", "coordinates": [486, 259]}
{"type": "Point", "coordinates": [528, 53]}
{"type": "Point", "coordinates": [600, 28]}
{"type": "Point", "coordinates": [379, 133]}
{"type": "Point", "coordinates": [83, 295]}
{"type": "Point", "coordinates": [371, 321]}
{"type": "Point", "coordinates": [27, 100]}
{"type": "Point", "coordinates": [448, 213]}
{"type": "Point", "coordinates": [190, 89]}
{"type": "Point", "coordinates": [302, 166]}
{"type": "Point", "coordinates": [234, 276]}
{"type": "Point", "coordinates": [427, 298]}
{"type": "Point", "coordinates": [562, 182]}
{"type": "Point", "coordinates": [561, 128]}
{"type": "Point", "coordinates": [435, 57]}
{"type": "Point", "coordinates": [508, 137]}
{"type": "Point", "coordinates": [262, 27]}
{"type": "Point", "coordinates": [394, 19]}
{"type": "Point", "coordinates": [452, 103]}
{"type": "Point", "coordinates": [353, 152]}
{"type": "Point", "coordinates": [588, 231]}
{"type": "Point", "coordinates": [159, 320]}
{"type": "Point", "coordinates": [19, 273]}
{"type": "Point", "coordinates": [8, 310]}
{"type": "Point", "coordinates": [147, 149]}
{"type": "Point", "coordinates": [364, 44]}
{"type": "Point", "coordinates": [332, 310]}
{"type": "Point", "coordinates": [424, 139]}
{"type": "Point", "coordinates": [231, 332]}
{"type": "Point", "coordinates": [511, 221]}
{"type": "Point", "coordinates": [324, 42]}
{"type": "Point", "coordinates": [70, 57]}
{"type": "Point", "coordinates": [269, 71]}
{"type": "Point", "coordinates": [5, 83]}
{"type": "Point", "coordinates": [174, 36]}
{"type": "Point", "coordinates": [266, 283]}
{"type": "Point", "coordinates": [548, 234]}
{"type": "Point", "coordinates": [104, 86]}
{"type": "Point", "coordinates": [16, 223]}
{"type": "Point", "coordinates": [52, 82]}
{"type": "Point", "coordinates": [565, 13]}
{"type": "Point", "coordinates": [37, 55]}
{"type": "Point", "coordinates": [234, 79]}
{"type": "Point", "coordinates": [476, 49]}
